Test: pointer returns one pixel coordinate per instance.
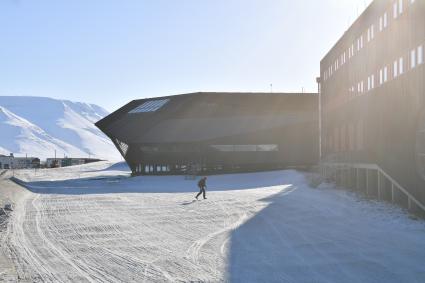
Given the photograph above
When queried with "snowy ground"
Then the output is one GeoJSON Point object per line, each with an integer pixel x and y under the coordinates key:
{"type": "Point", "coordinates": [93, 223]}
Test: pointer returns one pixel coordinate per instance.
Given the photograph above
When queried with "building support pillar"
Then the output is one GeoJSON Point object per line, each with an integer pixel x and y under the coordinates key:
{"type": "Point", "coordinates": [367, 182]}
{"type": "Point", "coordinates": [357, 179]}
{"type": "Point", "coordinates": [392, 192]}
{"type": "Point", "coordinates": [379, 184]}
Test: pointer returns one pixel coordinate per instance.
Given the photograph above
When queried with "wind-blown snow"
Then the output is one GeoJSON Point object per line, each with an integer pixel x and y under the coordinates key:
{"type": "Point", "coordinates": [96, 224]}
{"type": "Point", "coordinates": [37, 126]}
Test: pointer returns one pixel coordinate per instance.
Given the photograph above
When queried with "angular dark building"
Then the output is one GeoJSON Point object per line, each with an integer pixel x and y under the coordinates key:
{"type": "Point", "coordinates": [210, 132]}
{"type": "Point", "coordinates": [373, 104]}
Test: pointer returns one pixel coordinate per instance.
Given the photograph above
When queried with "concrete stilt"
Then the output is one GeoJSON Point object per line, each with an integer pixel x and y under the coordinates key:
{"type": "Point", "coordinates": [367, 182]}
{"type": "Point", "coordinates": [357, 179]}
{"type": "Point", "coordinates": [392, 192]}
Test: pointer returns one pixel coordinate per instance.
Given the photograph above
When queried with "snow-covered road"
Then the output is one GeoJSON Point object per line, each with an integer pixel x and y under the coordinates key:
{"type": "Point", "coordinates": [259, 227]}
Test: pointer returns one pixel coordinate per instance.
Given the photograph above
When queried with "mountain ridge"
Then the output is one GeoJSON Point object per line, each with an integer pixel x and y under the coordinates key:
{"type": "Point", "coordinates": [38, 126]}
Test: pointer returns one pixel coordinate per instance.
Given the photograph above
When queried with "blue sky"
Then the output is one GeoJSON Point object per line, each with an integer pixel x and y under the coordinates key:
{"type": "Point", "coordinates": [109, 52]}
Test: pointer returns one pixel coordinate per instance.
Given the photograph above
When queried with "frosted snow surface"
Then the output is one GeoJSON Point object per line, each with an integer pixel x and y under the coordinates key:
{"type": "Point", "coordinates": [38, 125]}
{"type": "Point", "coordinates": [95, 224]}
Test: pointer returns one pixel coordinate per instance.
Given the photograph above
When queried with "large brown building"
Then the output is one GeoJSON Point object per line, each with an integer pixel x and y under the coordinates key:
{"type": "Point", "coordinates": [212, 132]}
{"type": "Point", "coordinates": [373, 104]}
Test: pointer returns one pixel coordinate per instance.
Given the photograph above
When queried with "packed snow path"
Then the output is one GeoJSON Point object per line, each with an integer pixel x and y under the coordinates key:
{"type": "Point", "coordinates": [262, 227]}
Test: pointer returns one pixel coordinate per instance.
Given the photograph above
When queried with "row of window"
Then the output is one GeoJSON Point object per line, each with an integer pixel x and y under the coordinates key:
{"type": "Point", "coordinates": [416, 59]}
{"type": "Point", "coordinates": [149, 168]}
{"type": "Point", "coordinates": [383, 24]}
{"type": "Point", "coordinates": [246, 147]}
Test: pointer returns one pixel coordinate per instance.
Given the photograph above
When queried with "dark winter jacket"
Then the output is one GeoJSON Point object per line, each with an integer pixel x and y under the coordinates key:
{"type": "Point", "coordinates": [202, 183]}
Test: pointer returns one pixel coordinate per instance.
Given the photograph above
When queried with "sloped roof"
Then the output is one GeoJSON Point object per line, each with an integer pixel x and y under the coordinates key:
{"type": "Point", "coordinates": [204, 116]}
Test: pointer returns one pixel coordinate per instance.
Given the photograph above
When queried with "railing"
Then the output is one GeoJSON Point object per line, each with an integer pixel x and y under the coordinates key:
{"type": "Point", "coordinates": [394, 183]}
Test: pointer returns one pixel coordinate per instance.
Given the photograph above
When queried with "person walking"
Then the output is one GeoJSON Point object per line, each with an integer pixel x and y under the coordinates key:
{"type": "Point", "coordinates": [202, 184]}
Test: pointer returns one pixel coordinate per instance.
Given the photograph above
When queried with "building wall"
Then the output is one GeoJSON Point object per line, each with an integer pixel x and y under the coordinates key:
{"type": "Point", "coordinates": [218, 131]}
{"type": "Point", "coordinates": [373, 93]}
{"type": "Point", "coordinates": [64, 162]}
{"type": "Point", "coordinates": [6, 162]}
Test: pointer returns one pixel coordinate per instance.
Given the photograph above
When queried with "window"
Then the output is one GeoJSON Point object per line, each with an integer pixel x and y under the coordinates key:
{"type": "Point", "coordinates": [395, 71]}
{"type": "Point", "coordinates": [385, 74]}
{"type": "Point", "coordinates": [361, 42]}
{"type": "Point", "coordinates": [368, 83]}
{"type": "Point", "coordinates": [372, 32]}
{"type": "Point", "coordinates": [380, 24]}
{"type": "Point", "coordinates": [420, 54]}
{"type": "Point", "coordinates": [385, 20]}
{"type": "Point", "coordinates": [149, 106]}
{"type": "Point", "coordinates": [372, 81]}
{"type": "Point", "coordinates": [400, 6]}
{"type": "Point", "coordinates": [368, 34]}
{"type": "Point", "coordinates": [400, 66]}
{"type": "Point", "coordinates": [267, 147]}
{"type": "Point", "coordinates": [381, 78]}
{"type": "Point", "coordinates": [395, 11]}
{"type": "Point", "coordinates": [413, 58]}
{"type": "Point", "coordinates": [246, 147]}
{"type": "Point", "coordinates": [123, 147]}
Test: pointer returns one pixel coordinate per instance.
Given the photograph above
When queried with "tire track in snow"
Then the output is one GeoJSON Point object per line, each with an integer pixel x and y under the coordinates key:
{"type": "Point", "coordinates": [195, 248]}
{"type": "Point", "coordinates": [127, 237]}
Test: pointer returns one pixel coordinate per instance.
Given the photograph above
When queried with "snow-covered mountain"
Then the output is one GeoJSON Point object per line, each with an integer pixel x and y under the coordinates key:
{"type": "Point", "coordinates": [38, 126]}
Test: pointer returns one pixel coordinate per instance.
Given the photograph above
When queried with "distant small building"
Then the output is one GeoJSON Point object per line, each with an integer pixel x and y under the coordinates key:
{"type": "Point", "coordinates": [12, 162]}
{"type": "Point", "coordinates": [6, 161]}
{"type": "Point", "coordinates": [25, 162]}
{"type": "Point", "coordinates": [64, 162]}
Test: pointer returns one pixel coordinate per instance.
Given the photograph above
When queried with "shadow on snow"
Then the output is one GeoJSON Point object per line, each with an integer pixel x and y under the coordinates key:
{"type": "Point", "coordinates": [106, 184]}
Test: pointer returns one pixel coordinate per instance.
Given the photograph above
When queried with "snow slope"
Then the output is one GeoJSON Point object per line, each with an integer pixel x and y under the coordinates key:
{"type": "Point", "coordinates": [29, 138]}
{"type": "Point", "coordinates": [66, 126]}
{"type": "Point", "coordinates": [101, 226]}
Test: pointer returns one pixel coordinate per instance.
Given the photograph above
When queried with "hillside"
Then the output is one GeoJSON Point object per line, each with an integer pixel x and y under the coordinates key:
{"type": "Point", "coordinates": [38, 126]}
